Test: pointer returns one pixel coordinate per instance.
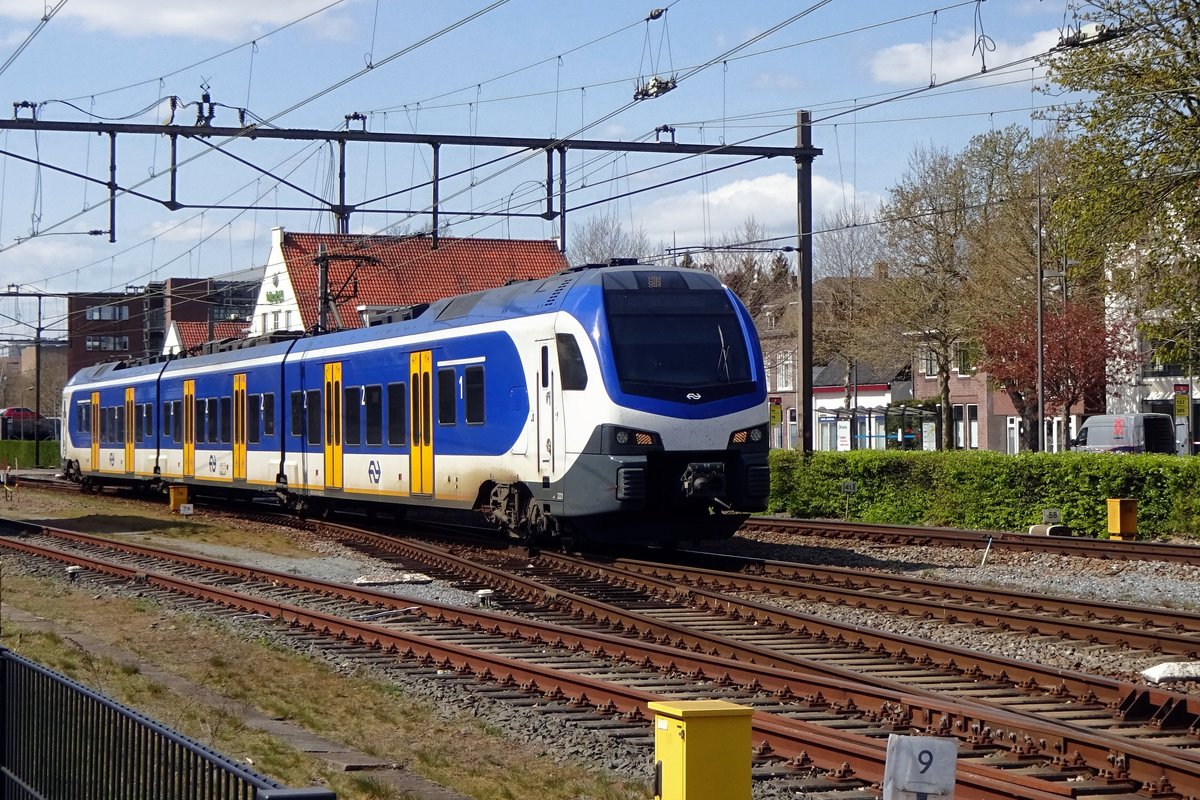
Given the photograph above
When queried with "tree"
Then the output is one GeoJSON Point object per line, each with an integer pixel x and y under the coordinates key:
{"type": "Point", "coordinates": [927, 216]}
{"type": "Point", "coordinates": [848, 271]}
{"type": "Point", "coordinates": [603, 238]}
{"type": "Point", "coordinates": [1082, 354]}
{"type": "Point", "coordinates": [1134, 162]}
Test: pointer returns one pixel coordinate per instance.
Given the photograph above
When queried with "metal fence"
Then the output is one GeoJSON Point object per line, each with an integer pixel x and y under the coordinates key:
{"type": "Point", "coordinates": [61, 741]}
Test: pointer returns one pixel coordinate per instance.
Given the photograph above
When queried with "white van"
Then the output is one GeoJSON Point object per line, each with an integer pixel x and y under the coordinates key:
{"type": "Point", "coordinates": [1127, 433]}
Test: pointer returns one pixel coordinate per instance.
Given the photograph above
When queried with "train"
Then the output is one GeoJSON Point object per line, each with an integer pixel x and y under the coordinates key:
{"type": "Point", "coordinates": [619, 403]}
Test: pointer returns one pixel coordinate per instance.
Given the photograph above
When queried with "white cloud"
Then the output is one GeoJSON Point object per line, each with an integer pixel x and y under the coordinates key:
{"type": "Point", "coordinates": [770, 199]}
{"type": "Point", "coordinates": [953, 57]}
{"type": "Point", "coordinates": [225, 20]}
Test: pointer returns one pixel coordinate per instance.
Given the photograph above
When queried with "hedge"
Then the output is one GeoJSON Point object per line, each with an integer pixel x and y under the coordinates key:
{"type": "Point", "coordinates": [19, 453]}
{"type": "Point", "coordinates": [988, 491]}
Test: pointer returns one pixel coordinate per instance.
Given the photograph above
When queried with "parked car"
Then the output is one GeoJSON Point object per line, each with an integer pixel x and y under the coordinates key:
{"type": "Point", "coordinates": [18, 412]}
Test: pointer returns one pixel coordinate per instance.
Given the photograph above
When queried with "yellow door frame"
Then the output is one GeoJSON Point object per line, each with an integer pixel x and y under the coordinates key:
{"type": "Point", "coordinates": [333, 425]}
{"type": "Point", "coordinates": [129, 406]}
{"type": "Point", "coordinates": [189, 429]}
{"type": "Point", "coordinates": [95, 465]}
{"type": "Point", "coordinates": [239, 426]}
{"type": "Point", "coordinates": [420, 458]}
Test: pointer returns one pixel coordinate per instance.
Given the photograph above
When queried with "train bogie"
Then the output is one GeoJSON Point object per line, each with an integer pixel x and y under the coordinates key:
{"type": "Point", "coordinates": [624, 404]}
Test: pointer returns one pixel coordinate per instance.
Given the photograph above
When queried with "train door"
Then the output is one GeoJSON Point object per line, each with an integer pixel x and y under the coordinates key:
{"type": "Point", "coordinates": [189, 429]}
{"type": "Point", "coordinates": [95, 420]}
{"type": "Point", "coordinates": [420, 465]}
{"type": "Point", "coordinates": [547, 443]}
{"type": "Point", "coordinates": [333, 425]}
{"type": "Point", "coordinates": [130, 421]}
{"type": "Point", "coordinates": [239, 426]}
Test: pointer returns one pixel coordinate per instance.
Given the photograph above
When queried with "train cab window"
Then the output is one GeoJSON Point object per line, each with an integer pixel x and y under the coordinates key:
{"type": "Point", "coordinates": [373, 407]}
{"type": "Point", "coordinates": [87, 418]}
{"type": "Point", "coordinates": [473, 395]}
{"type": "Point", "coordinates": [177, 420]}
{"type": "Point", "coordinates": [572, 373]}
{"type": "Point", "coordinates": [268, 414]}
{"type": "Point", "coordinates": [253, 418]}
{"type": "Point", "coordinates": [352, 414]}
{"type": "Point", "coordinates": [79, 417]}
{"type": "Point", "coordinates": [396, 412]}
{"type": "Point", "coordinates": [545, 367]}
{"type": "Point", "coordinates": [226, 418]}
{"type": "Point", "coordinates": [297, 413]}
{"type": "Point", "coordinates": [447, 402]}
{"type": "Point", "coordinates": [201, 418]}
{"type": "Point", "coordinates": [312, 404]}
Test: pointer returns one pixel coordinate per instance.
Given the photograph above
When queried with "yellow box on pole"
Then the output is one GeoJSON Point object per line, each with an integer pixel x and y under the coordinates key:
{"type": "Point", "coordinates": [702, 750]}
{"type": "Point", "coordinates": [178, 496]}
{"type": "Point", "coordinates": [1122, 517]}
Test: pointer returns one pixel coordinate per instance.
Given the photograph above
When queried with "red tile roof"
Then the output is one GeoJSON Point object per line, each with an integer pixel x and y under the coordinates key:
{"type": "Point", "coordinates": [406, 271]}
{"type": "Point", "coordinates": [194, 334]}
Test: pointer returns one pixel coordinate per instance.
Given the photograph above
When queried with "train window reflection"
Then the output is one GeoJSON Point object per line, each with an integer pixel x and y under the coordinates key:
{"type": "Point", "coordinates": [373, 408]}
{"type": "Point", "coordinates": [473, 395]}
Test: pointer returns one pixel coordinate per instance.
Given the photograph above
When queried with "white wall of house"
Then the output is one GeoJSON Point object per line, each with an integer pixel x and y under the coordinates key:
{"type": "Point", "coordinates": [276, 308]}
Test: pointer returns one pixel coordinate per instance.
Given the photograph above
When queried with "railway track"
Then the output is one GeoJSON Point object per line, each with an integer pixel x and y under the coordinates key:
{"type": "Point", "coordinates": [788, 739]}
{"type": "Point", "coordinates": [978, 540]}
{"type": "Point", "coordinates": [1159, 631]}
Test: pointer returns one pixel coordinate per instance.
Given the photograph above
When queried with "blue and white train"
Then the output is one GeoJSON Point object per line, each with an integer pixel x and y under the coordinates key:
{"type": "Point", "coordinates": [617, 403]}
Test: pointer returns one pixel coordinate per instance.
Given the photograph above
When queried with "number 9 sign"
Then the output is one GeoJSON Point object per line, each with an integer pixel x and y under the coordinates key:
{"type": "Point", "coordinates": [919, 768]}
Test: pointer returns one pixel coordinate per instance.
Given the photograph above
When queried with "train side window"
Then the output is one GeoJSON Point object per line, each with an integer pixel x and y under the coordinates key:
{"type": "Point", "coordinates": [396, 413]}
{"type": "Point", "coordinates": [166, 418]}
{"type": "Point", "coordinates": [214, 422]}
{"type": "Point", "coordinates": [572, 373]}
{"type": "Point", "coordinates": [177, 420]}
{"type": "Point", "coordinates": [253, 418]}
{"type": "Point", "coordinates": [313, 405]}
{"type": "Point", "coordinates": [87, 418]}
{"type": "Point", "coordinates": [79, 417]}
{"type": "Point", "coordinates": [352, 414]}
{"type": "Point", "coordinates": [139, 422]}
{"type": "Point", "coordinates": [373, 405]}
{"type": "Point", "coordinates": [447, 402]}
{"type": "Point", "coordinates": [119, 413]}
{"type": "Point", "coordinates": [473, 395]}
{"type": "Point", "coordinates": [199, 419]}
{"type": "Point", "coordinates": [545, 366]}
{"type": "Point", "coordinates": [268, 414]}
{"type": "Point", "coordinates": [297, 413]}
{"type": "Point", "coordinates": [226, 418]}
{"type": "Point", "coordinates": [104, 425]}
{"type": "Point", "coordinates": [148, 419]}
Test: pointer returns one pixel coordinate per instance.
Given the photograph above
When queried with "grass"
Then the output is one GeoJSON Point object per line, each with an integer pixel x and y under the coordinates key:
{"type": "Point", "coordinates": [357, 711]}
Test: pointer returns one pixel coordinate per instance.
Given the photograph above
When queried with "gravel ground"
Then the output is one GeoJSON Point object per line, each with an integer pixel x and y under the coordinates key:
{"type": "Point", "coordinates": [1141, 583]}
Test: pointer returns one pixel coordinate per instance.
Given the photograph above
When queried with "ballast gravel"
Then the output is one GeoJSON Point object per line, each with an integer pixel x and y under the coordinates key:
{"type": "Point", "coordinates": [1130, 582]}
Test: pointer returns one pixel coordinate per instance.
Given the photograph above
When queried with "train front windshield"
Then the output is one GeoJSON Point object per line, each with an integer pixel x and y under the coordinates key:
{"type": "Point", "coordinates": [675, 333]}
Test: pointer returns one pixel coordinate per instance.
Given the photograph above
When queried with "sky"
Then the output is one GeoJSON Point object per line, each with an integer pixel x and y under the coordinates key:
{"type": "Point", "coordinates": [879, 78]}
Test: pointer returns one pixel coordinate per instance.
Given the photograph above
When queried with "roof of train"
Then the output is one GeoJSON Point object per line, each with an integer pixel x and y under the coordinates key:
{"type": "Point", "coordinates": [518, 299]}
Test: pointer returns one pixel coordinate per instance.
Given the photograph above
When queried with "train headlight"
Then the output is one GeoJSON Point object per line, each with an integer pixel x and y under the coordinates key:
{"type": "Point", "coordinates": [630, 440]}
{"type": "Point", "coordinates": [749, 437]}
